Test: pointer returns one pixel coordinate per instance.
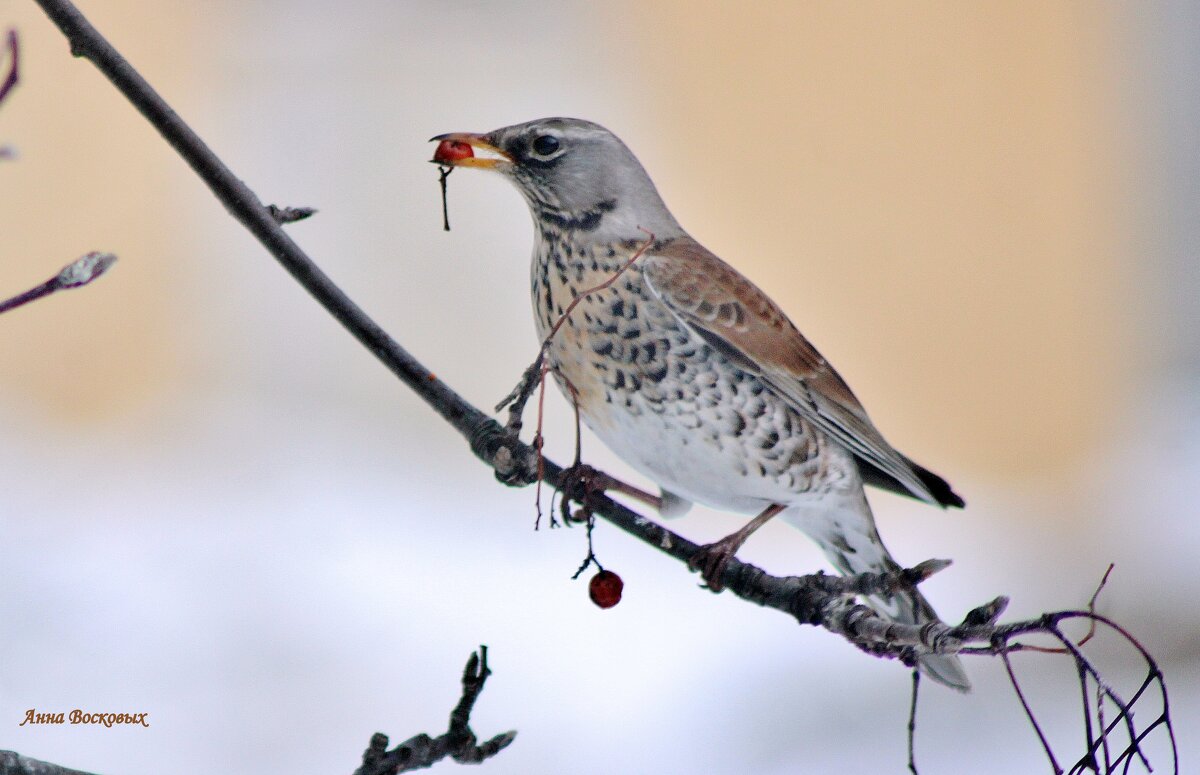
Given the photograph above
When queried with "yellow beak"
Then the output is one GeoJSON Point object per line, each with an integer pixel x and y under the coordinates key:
{"type": "Point", "coordinates": [475, 141]}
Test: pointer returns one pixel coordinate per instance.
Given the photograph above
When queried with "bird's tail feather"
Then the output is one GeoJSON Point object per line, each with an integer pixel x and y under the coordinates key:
{"type": "Point", "coordinates": [849, 539]}
{"type": "Point", "coordinates": [946, 669]}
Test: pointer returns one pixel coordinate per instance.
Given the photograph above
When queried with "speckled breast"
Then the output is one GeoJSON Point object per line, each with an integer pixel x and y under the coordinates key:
{"type": "Point", "coordinates": [662, 399]}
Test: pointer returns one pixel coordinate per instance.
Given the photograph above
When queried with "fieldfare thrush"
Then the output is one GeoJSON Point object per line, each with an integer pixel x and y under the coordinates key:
{"type": "Point", "coordinates": [689, 372]}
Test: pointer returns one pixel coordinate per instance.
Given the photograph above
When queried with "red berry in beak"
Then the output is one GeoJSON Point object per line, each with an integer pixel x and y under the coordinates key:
{"type": "Point", "coordinates": [450, 151]}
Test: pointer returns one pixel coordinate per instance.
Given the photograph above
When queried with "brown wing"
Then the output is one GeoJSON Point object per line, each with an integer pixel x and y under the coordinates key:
{"type": "Point", "coordinates": [738, 320]}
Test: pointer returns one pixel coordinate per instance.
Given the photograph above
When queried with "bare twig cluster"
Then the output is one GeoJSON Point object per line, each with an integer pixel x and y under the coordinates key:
{"type": "Point", "coordinates": [87, 267]}
{"type": "Point", "coordinates": [1113, 743]}
{"type": "Point", "coordinates": [818, 599]}
{"type": "Point", "coordinates": [459, 742]}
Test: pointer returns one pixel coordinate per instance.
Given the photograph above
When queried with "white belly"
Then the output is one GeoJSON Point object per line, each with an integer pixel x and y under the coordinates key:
{"type": "Point", "coordinates": [691, 451]}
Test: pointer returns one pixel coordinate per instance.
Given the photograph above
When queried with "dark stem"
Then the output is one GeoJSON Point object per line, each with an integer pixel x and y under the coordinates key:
{"type": "Point", "coordinates": [1029, 714]}
{"type": "Point", "coordinates": [1089, 742]}
{"type": "Point", "coordinates": [14, 69]}
{"type": "Point", "coordinates": [33, 294]}
{"type": "Point", "coordinates": [79, 272]}
{"type": "Point", "coordinates": [912, 723]}
{"type": "Point", "coordinates": [443, 173]}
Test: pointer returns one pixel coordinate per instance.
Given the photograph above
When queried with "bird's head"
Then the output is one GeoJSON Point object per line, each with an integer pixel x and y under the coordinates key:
{"type": "Point", "coordinates": [573, 173]}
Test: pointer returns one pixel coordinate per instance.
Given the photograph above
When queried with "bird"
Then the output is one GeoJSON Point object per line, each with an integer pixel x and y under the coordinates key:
{"type": "Point", "coordinates": [688, 371]}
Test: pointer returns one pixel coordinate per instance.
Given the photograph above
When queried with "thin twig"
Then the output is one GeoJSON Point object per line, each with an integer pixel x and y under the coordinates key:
{"type": "Point", "coordinates": [79, 272]}
{"type": "Point", "coordinates": [290, 214]}
{"type": "Point", "coordinates": [1091, 606]}
{"type": "Point", "coordinates": [1091, 622]}
{"type": "Point", "coordinates": [539, 442]}
{"type": "Point", "coordinates": [516, 400]}
{"type": "Point", "coordinates": [443, 173]}
{"type": "Point", "coordinates": [1089, 758]}
{"type": "Point", "coordinates": [14, 67]}
{"type": "Point", "coordinates": [1103, 737]}
{"type": "Point", "coordinates": [1016, 685]}
{"type": "Point", "coordinates": [912, 723]}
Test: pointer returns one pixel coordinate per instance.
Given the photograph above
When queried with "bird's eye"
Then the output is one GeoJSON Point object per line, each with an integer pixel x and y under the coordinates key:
{"type": "Point", "coordinates": [544, 145]}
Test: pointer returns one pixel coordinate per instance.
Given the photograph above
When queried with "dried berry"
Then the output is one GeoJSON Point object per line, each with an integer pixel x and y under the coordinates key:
{"type": "Point", "coordinates": [450, 151]}
{"type": "Point", "coordinates": [605, 589]}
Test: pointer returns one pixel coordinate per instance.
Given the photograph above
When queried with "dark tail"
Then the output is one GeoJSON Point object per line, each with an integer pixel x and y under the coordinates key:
{"type": "Point", "coordinates": [938, 487]}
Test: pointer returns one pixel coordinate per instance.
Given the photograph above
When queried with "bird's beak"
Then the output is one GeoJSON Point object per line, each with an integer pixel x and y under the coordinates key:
{"type": "Point", "coordinates": [477, 142]}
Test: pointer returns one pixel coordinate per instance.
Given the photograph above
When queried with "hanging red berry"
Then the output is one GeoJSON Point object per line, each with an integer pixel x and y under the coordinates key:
{"type": "Point", "coordinates": [605, 589]}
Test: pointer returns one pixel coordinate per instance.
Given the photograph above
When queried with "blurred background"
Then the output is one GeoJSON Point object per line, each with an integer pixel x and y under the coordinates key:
{"type": "Point", "coordinates": [218, 509]}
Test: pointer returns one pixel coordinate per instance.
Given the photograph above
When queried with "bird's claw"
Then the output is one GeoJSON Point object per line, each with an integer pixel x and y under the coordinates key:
{"type": "Point", "coordinates": [579, 483]}
{"type": "Point", "coordinates": [712, 559]}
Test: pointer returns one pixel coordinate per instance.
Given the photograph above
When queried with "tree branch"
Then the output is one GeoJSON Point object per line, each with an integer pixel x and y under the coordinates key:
{"type": "Point", "coordinates": [13, 763]}
{"type": "Point", "coordinates": [458, 743]}
{"type": "Point", "coordinates": [816, 599]}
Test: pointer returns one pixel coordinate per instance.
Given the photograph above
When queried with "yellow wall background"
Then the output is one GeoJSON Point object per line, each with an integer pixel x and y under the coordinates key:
{"type": "Point", "coordinates": [938, 193]}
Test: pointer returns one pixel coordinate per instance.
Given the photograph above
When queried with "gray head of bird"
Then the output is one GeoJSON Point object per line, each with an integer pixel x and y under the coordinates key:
{"type": "Point", "coordinates": [575, 175]}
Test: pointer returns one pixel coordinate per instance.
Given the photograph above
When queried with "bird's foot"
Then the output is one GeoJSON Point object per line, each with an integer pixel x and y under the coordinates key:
{"type": "Point", "coordinates": [579, 483]}
{"type": "Point", "coordinates": [711, 560]}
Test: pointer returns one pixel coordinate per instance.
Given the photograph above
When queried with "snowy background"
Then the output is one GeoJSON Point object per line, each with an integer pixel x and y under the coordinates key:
{"type": "Point", "coordinates": [217, 509]}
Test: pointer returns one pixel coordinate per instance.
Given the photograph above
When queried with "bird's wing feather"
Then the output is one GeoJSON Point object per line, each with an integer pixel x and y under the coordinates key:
{"type": "Point", "coordinates": [741, 322]}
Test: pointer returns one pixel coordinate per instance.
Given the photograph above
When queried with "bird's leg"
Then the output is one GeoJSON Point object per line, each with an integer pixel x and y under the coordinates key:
{"type": "Point", "coordinates": [711, 559]}
{"type": "Point", "coordinates": [581, 481]}
{"type": "Point", "coordinates": [612, 484]}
